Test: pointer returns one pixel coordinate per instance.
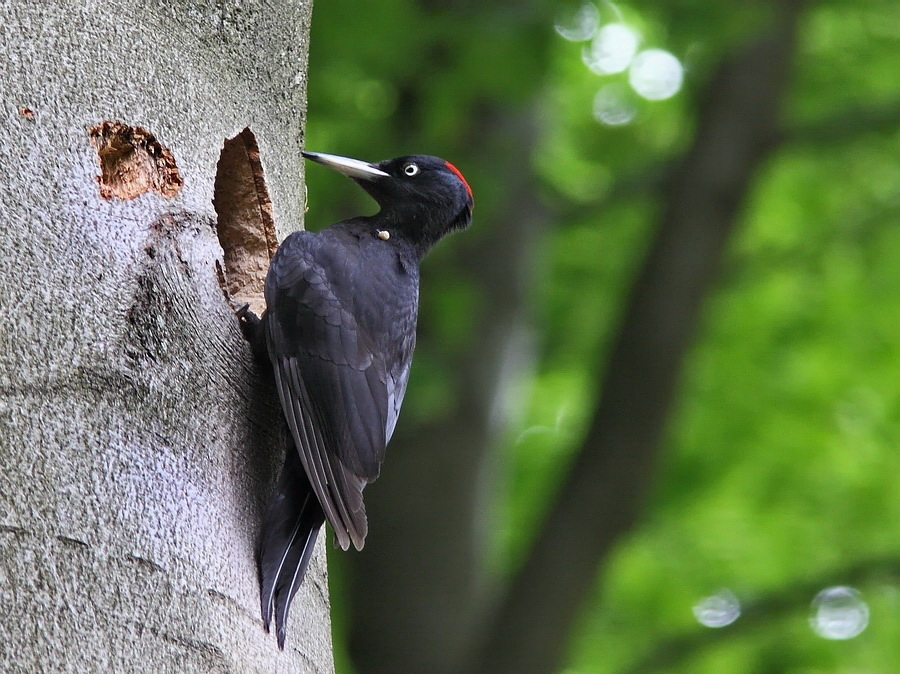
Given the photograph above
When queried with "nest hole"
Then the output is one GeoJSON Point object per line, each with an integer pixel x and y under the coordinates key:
{"type": "Point", "coordinates": [245, 223]}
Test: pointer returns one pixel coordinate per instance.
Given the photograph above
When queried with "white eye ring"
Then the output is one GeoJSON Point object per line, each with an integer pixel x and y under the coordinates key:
{"type": "Point", "coordinates": [411, 170]}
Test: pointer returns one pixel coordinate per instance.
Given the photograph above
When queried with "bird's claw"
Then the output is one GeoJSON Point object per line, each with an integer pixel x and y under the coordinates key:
{"type": "Point", "coordinates": [247, 320]}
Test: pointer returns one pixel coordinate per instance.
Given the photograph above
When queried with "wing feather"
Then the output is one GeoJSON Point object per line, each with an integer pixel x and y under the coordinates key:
{"type": "Point", "coordinates": [337, 383]}
{"type": "Point", "coordinates": [307, 444]}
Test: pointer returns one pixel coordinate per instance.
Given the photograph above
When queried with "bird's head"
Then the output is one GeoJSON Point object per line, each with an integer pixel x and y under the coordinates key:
{"type": "Point", "coordinates": [425, 197]}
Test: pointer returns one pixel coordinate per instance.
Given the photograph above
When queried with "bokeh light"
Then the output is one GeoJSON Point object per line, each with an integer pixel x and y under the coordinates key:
{"type": "Point", "coordinates": [656, 74]}
{"type": "Point", "coordinates": [577, 22]}
{"type": "Point", "coordinates": [611, 50]}
{"type": "Point", "coordinates": [612, 106]}
{"type": "Point", "coordinates": [718, 610]}
{"type": "Point", "coordinates": [839, 613]}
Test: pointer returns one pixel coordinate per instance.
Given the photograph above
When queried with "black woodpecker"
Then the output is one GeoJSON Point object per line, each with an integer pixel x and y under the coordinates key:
{"type": "Point", "coordinates": [339, 331]}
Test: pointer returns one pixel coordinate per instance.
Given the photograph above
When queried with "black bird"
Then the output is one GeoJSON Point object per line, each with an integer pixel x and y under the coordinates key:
{"type": "Point", "coordinates": [339, 330]}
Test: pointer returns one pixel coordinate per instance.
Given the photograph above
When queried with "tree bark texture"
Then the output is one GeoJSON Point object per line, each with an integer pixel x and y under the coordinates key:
{"type": "Point", "coordinates": [137, 443]}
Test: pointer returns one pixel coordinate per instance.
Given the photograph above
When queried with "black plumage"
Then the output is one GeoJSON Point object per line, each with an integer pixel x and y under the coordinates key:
{"type": "Point", "coordinates": [339, 330]}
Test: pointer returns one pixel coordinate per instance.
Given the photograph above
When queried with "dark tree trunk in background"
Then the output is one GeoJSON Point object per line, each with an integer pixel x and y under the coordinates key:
{"type": "Point", "coordinates": [603, 495]}
{"type": "Point", "coordinates": [421, 583]}
{"type": "Point", "coordinates": [421, 597]}
{"type": "Point", "coordinates": [137, 446]}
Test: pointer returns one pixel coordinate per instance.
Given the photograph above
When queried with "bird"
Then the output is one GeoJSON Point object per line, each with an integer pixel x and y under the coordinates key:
{"type": "Point", "coordinates": [338, 335]}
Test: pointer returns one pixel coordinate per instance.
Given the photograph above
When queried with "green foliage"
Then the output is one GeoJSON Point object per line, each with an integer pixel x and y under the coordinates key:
{"type": "Point", "coordinates": [780, 461]}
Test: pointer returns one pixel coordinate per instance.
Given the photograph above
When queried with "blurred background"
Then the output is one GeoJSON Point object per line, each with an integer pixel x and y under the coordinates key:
{"type": "Point", "coordinates": [653, 418]}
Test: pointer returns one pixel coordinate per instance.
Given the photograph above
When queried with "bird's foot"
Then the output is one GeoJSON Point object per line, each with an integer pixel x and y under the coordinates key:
{"type": "Point", "coordinates": [248, 321]}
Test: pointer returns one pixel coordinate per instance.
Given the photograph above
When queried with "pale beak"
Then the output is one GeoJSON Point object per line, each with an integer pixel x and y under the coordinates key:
{"type": "Point", "coordinates": [353, 168]}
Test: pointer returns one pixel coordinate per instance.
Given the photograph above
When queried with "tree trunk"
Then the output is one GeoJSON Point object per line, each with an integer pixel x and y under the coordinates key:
{"type": "Point", "coordinates": [424, 579]}
{"type": "Point", "coordinates": [604, 492]}
{"type": "Point", "coordinates": [137, 443]}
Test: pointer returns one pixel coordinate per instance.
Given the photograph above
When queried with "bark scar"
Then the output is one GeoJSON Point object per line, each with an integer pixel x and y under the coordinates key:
{"type": "Point", "coordinates": [133, 162]}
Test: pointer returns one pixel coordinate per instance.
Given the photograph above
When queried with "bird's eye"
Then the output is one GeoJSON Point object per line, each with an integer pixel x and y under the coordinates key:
{"type": "Point", "coordinates": [410, 169]}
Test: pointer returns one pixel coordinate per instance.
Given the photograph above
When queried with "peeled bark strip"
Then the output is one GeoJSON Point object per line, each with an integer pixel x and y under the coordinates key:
{"type": "Point", "coordinates": [245, 223]}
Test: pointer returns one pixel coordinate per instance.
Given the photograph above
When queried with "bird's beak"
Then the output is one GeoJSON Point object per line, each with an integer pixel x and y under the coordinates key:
{"type": "Point", "coordinates": [353, 168]}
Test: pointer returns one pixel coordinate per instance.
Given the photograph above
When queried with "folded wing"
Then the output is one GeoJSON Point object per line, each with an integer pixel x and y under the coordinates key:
{"type": "Point", "coordinates": [337, 392]}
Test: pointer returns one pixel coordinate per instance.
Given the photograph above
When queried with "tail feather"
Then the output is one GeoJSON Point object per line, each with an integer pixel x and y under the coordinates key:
{"type": "Point", "coordinates": [289, 537]}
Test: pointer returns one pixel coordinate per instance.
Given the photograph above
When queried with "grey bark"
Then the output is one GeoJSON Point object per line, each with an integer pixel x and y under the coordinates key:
{"type": "Point", "coordinates": [136, 445]}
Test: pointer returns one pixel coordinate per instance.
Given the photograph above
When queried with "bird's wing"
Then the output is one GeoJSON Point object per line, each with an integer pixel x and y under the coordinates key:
{"type": "Point", "coordinates": [337, 393]}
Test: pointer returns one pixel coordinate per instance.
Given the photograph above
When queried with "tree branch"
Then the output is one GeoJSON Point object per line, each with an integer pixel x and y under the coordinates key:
{"type": "Point", "coordinates": [604, 492]}
{"type": "Point", "coordinates": [842, 126]}
{"type": "Point", "coordinates": [846, 125]}
{"type": "Point", "coordinates": [675, 650]}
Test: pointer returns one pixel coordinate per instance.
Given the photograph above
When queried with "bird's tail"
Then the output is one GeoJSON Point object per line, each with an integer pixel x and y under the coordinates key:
{"type": "Point", "coordinates": [288, 539]}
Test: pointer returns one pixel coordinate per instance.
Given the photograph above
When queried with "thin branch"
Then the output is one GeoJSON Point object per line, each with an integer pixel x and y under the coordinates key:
{"type": "Point", "coordinates": [842, 126]}
{"type": "Point", "coordinates": [775, 606]}
{"type": "Point", "coordinates": [846, 125]}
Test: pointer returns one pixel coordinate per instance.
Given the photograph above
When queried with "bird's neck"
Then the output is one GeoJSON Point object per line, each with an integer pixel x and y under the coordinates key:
{"type": "Point", "coordinates": [412, 234]}
{"type": "Point", "coordinates": [421, 229]}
